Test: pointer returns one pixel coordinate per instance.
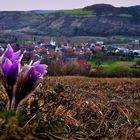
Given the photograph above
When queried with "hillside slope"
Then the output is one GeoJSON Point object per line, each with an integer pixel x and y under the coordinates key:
{"type": "Point", "coordinates": [98, 20]}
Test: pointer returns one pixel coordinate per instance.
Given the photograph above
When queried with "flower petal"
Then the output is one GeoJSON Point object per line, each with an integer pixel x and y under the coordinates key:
{"type": "Point", "coordinates": [14, 69]}
{"type": "Point", "coordinates": [15, 56]}
{"type": "Point", "coordinates": [13, 73]}
{"type": "Point", "coordinates": [41, 68]}
{"type": "Point", "coordinates": [6, 66]}
{"type": "Point", "coordinates": [8, 52]}
{"type": "Point", "coordinates": [33, 75]}
{"type": "Point", "coordinates": [36, 75]}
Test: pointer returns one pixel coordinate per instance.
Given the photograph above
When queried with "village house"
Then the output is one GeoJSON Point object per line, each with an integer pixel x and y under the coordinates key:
{"type": "Point", "coordinates": [136, 53]}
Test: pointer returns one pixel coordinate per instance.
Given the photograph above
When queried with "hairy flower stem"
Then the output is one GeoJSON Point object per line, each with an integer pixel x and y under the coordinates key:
{"type": "Point", "coordinates": [13, 103]}
{"type": "Point", "coordinates": [10, 96]}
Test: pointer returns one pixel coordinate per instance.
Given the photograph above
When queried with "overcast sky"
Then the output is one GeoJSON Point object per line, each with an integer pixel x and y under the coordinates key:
{"type": "Point", "coordinates": [58, 4]}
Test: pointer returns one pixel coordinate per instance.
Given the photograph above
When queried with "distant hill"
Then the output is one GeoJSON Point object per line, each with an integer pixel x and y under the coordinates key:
{"type": "Point", "coordinates": [106, 9]}
{"type": "Point", "coordinates": [100, 19]}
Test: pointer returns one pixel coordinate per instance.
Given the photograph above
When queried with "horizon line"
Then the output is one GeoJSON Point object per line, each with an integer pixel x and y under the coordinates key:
{"type": "Point", "coordinates": [28, 10]}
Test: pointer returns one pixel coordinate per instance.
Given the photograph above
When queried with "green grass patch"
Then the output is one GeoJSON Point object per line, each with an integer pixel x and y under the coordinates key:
{"type": "Point", "coordinates": [78, 12]}
{"type": "Point", "coordinates": [111, 66]}
{"type": "Point", "coordinates": [91, 62]}
{"type": "Point", "coordinates": [136, 59]}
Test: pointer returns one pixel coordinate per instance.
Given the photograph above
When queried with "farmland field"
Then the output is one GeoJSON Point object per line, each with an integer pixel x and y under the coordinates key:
{"type": "Point", "coordinates": [110, 65]}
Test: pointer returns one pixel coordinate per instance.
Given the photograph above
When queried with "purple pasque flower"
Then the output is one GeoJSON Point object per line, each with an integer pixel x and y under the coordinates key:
{"type": "Point", "coordinates": [9, 70]}
{"type": "Point", "coordinates": [32, 76]}
{"type": "Point", "coordinates": [36, 71]}
{"type": "Point", "coordinates": [19, 82]}
{"type": "Point", "coordinates": [6, 66]}
{"type": "Point", "coordinates": [9, 74]}
{"type": "Point", "coordinates": [9, 65]}
{"type": "Point", "coordinates": [33, 72]}
{"type": "Point", "coordinates": [41, 68]}
{"type": "Point", "coordinates": [29, 79]}
{"type": "Point", "coordinates": [10, 54]}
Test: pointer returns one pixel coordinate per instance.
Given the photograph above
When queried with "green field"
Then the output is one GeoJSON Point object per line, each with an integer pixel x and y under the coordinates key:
{"type": "Point", "coordinates": [111, 65]}
{"type": "Point", "coordinates": [78, 12]}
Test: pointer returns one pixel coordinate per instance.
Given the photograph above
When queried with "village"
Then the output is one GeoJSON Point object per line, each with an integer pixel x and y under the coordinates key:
{"type": "Point", "coordinates": [68, 52]}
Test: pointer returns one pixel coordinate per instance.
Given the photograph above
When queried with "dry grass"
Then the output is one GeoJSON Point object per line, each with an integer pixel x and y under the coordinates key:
{"type": "Point", "coordinates": [81, 108]}
{"type": "Point", "coordinates": [103, 107]}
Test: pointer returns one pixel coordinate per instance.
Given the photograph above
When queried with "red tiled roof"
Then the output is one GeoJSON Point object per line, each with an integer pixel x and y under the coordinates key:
{"type": "Point", "coordinates": [86, 51]}
{"type": "Point", "coordinates": [82, 62]}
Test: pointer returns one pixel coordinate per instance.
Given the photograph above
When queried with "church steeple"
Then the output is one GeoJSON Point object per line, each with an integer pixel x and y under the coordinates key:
{"type": "Point", "coordinates": [52, 42]}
